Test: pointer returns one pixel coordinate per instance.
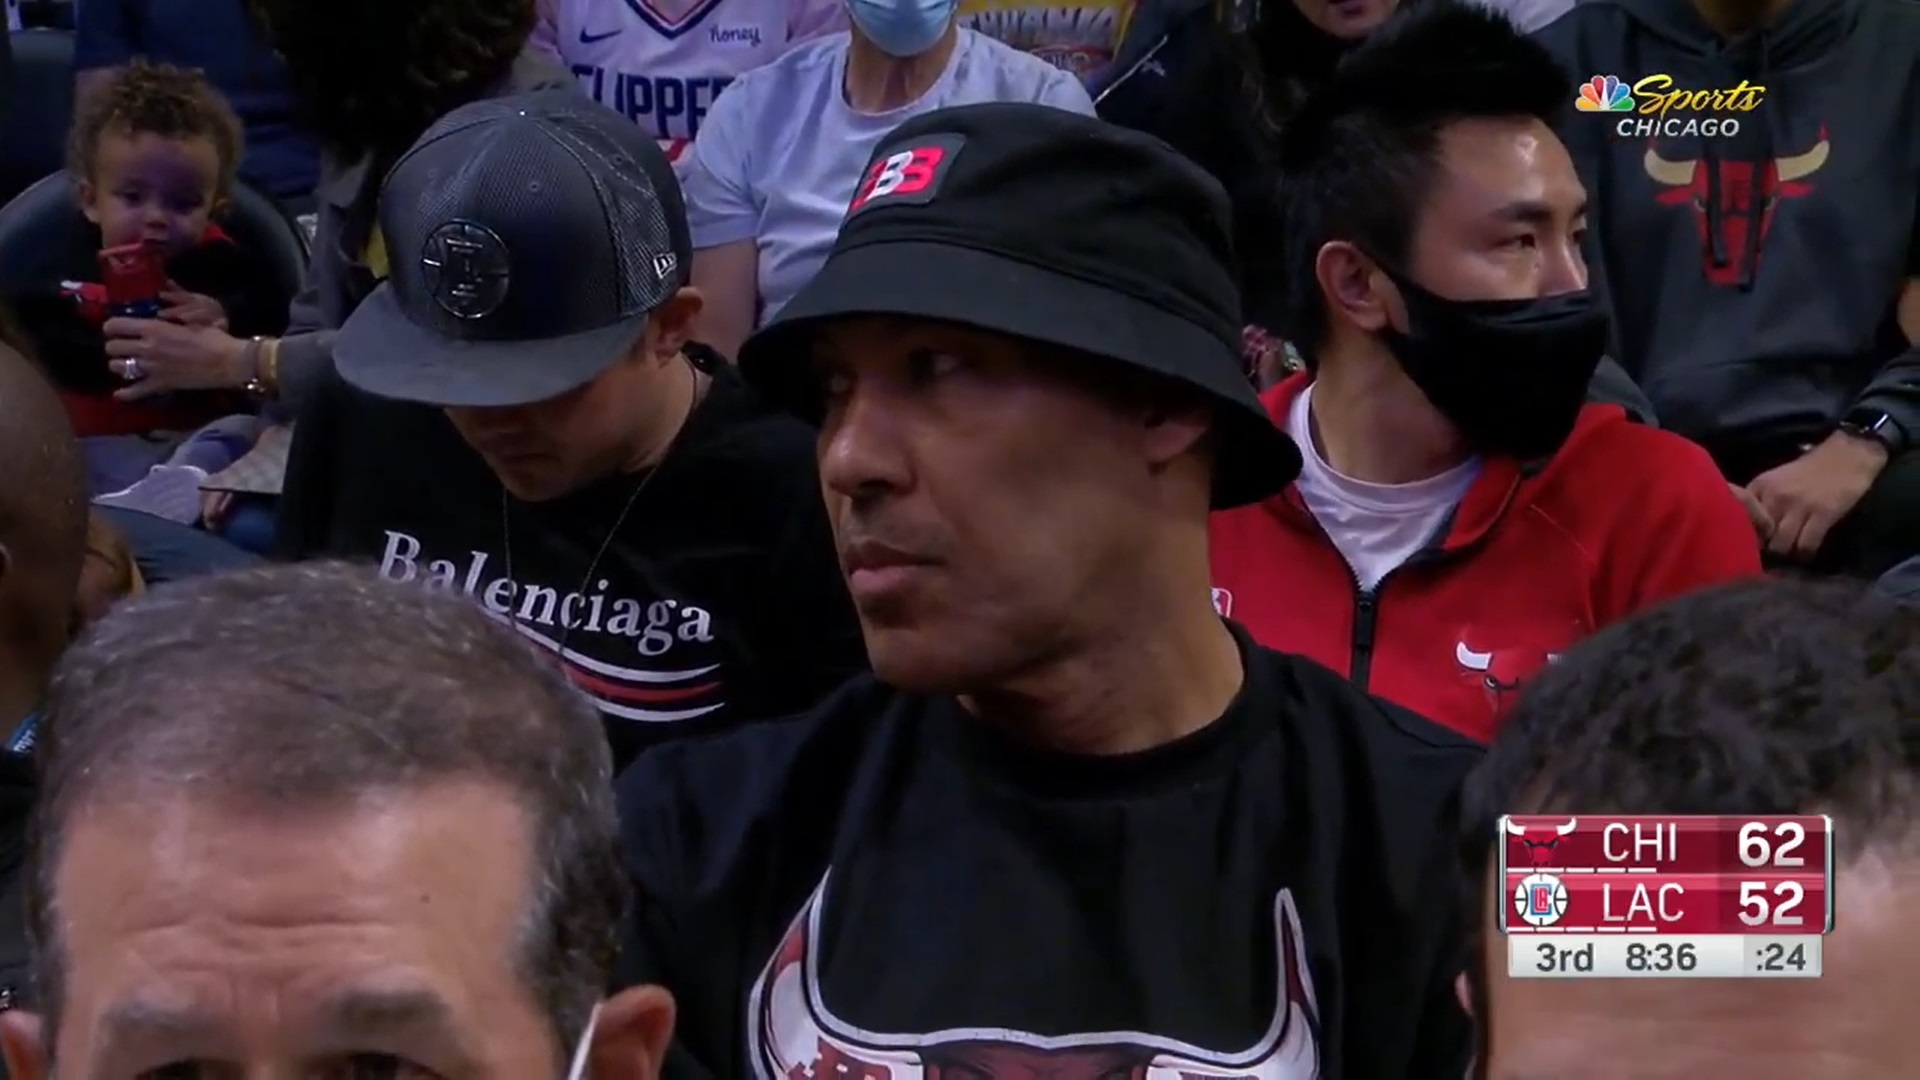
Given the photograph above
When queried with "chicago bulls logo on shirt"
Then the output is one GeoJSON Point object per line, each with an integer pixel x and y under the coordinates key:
{"type": "Point", "coordinates": [792, 1032]}
{"type": "Point", "coordinates": [1734, 202]}
{"type": "Point", "coordinates": [1501, 672]}
{"type": "Point", "coordinates": [907, 174]}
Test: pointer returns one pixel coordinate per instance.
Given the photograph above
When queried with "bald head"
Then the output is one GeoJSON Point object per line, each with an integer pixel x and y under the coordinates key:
{"type": "Point", "coordinates": [43, 515]}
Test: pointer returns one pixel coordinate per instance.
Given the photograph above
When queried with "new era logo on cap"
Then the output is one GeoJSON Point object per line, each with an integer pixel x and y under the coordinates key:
{"type": "Point", "coordinates": [907, 174]}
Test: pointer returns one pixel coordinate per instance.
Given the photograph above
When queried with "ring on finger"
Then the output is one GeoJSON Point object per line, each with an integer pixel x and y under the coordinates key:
{"type": "Point", "coordinates": [130, 369]}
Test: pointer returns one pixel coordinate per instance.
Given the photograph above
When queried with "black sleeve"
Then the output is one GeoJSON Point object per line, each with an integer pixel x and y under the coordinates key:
{"type": "Point", "coordinates": [813, 640]}
{"type": "Point", "coordinates": [303, 514]}
{"type": "Point", "coordinates": [654, 852]}
{"type": "Point", "coordinates": [1418, 951]}
{"type": "Point", "coordinates": [643, 944]}
{"type": "Point", "coordinates": [1443, 1035]}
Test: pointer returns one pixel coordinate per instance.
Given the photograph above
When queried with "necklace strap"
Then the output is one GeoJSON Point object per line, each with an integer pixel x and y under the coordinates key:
{"type": "Point", "coordinates": [626, 510]}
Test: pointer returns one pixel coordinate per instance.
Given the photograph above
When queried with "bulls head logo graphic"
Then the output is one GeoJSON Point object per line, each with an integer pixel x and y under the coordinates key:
{"type": "Point", "coordinates": [1733, 202]}
{"type": "Point", "coordinates": [1501, 673]}
{"type": "Point", "coordinates": [793, 1035]}
{"type": "Point", "coordinates": [1540, 842]}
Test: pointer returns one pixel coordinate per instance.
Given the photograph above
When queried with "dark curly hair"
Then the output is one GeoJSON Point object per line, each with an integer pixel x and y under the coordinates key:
{"type": "Point", "coordinates": [371, 75]}
{"type": "Point", "coordinates": [156, 99]}
{"type": "Point", "coordinates": [1282, 55]}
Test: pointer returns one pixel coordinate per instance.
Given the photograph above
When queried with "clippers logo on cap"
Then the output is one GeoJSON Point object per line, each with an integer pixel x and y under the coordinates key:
{"type": "Point", "coordinates": [912, 174]}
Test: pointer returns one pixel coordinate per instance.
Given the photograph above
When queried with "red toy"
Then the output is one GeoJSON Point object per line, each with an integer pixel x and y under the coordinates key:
{"type": "Point", "coordinates": [134, 275]}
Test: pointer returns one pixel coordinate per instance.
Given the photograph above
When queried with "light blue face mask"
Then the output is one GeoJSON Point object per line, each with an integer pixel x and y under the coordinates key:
{"type": "Point", "coordinates": [902, 28]}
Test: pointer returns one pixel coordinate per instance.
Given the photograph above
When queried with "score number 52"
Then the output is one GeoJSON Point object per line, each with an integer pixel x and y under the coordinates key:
{"type": "Point", "coordinates": [1760, 848]}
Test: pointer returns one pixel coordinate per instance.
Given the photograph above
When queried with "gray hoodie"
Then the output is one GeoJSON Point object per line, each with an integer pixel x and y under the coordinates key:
{"type": "Point", "coordinates": [1753, 275]}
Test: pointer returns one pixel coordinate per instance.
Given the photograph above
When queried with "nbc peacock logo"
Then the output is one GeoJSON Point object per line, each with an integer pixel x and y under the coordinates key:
{"type": "Point", "coordinates": [1604, 93]}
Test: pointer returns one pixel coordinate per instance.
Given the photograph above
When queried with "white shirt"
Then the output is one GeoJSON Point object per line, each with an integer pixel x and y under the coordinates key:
{"type": "Point", "coordinates": [1376, 527]}
{"type": "Point", "coordinates": [662, 63]}
{"type": "Point", "coordinates": [779, 156]}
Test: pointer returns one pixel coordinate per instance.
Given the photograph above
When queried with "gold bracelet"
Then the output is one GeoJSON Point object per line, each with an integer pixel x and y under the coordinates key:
{"type": "Point", "coordinates": [250, 363]}
{"type": "Point", "coordinates": [265, 354]}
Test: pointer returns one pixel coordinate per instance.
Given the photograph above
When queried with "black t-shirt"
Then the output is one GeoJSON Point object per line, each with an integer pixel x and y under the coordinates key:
{"type": "Point", "coordinates": [885, 883]}
{"type": "Point", "coordinates": [720, 599]}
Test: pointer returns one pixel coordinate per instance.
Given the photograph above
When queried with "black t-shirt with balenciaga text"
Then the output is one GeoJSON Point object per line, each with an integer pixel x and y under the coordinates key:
{"type": "Point", "coordinates": [719, 600]}
{"type": "Point", "coordinates": [885, 888]}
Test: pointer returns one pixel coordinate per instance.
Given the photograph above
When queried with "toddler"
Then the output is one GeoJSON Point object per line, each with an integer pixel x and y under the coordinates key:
{"type": "Point", "coordinates": [153, 154]}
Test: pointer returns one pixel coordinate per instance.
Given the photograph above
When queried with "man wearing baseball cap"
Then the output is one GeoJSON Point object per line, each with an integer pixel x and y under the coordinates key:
{"type": "Point", "coordinates": [528, 423]}
{"type": "Point", "coordinates": [1075, 824]}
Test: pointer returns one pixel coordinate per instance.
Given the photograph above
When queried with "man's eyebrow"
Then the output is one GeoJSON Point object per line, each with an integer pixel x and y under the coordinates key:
{"type": "Point", "coordinates": [363, 1008]}
{"type": "Point", "coordinates": [136, 1026]}
{"type": "Point", "coordinates": [417, 1018]}
{"type": "Point", "coordinates": [1535, 212]}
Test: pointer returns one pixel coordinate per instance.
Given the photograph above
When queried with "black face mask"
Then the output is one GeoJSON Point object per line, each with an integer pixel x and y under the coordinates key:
{"type": "Point", "coordinates": [1510, 374]}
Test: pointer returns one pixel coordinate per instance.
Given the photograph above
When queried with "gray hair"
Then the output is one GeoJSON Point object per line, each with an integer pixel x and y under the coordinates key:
{"type": "Point", "coordinates": [318, 682]}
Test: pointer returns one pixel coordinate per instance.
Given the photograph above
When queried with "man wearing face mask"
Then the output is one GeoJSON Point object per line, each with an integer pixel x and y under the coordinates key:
{"type": "Point", "coordinates": [781, 155]}
{"type": "Point", "coordinates": [1462, 516]}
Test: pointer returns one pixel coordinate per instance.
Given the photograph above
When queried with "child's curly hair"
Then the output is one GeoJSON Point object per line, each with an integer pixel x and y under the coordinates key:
{"type": "Point", "coordinates": [156, 99]}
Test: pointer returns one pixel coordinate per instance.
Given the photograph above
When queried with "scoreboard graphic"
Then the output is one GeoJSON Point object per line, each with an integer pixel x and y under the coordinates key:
{"type": "Point", "coordinates": [1675, 897]}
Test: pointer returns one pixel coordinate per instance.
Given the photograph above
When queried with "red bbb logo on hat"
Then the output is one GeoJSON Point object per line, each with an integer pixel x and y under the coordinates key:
{"type": "Point", "coordinates": [909, 175]}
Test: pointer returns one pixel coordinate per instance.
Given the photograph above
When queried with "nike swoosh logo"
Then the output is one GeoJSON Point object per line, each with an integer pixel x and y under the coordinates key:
{"type": "Point", "coordinates": [590, 39]}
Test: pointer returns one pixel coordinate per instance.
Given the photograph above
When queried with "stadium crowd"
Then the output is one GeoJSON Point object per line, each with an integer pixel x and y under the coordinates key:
{"type": "Point", "coordinates": [872, 539]}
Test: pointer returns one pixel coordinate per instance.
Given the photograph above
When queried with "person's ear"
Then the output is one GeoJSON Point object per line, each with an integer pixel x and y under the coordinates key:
{"type": "Point", "coordinates": [20, 1045]}
{"type": "Point", "coordinates": [630, 1037]}
{"type": "Point", "coordinates": [671, 325]}
{"type": "Point", "coordinates": [1463, 990]}
{"type": "Point", "coordinates": [1352, 285]}
{"type": "Point", "coordinates": [1174, 428]}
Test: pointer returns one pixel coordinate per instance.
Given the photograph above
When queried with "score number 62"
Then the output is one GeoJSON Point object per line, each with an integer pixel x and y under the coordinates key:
{"type": "Point", "coordinates": [1761, 848]}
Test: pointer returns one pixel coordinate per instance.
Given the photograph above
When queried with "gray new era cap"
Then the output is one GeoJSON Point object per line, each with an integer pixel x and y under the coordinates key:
{"type": "Point", "coordinates": [527, 240]}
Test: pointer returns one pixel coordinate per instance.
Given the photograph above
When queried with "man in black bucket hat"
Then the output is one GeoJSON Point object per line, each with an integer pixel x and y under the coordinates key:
{"type": "Point", "coordinates": [1076, 824]}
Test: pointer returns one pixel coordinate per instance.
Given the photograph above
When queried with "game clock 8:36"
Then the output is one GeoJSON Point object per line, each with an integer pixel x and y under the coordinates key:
{"type": "Point", "coordinates": [1661, 957]}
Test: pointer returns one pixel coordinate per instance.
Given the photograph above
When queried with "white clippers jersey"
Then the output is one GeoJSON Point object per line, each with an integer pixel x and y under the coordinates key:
{"type": "Point", "coordinates": [662, 62]}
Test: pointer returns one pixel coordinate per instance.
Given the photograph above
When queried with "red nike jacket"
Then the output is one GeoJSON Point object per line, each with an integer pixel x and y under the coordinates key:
{"type": "Point", "coordinates": [1534, 559]}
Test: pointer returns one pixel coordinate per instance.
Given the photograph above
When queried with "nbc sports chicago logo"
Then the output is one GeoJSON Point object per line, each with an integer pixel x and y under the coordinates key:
{"type": "Point", "coordinates": [1656, 107]}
